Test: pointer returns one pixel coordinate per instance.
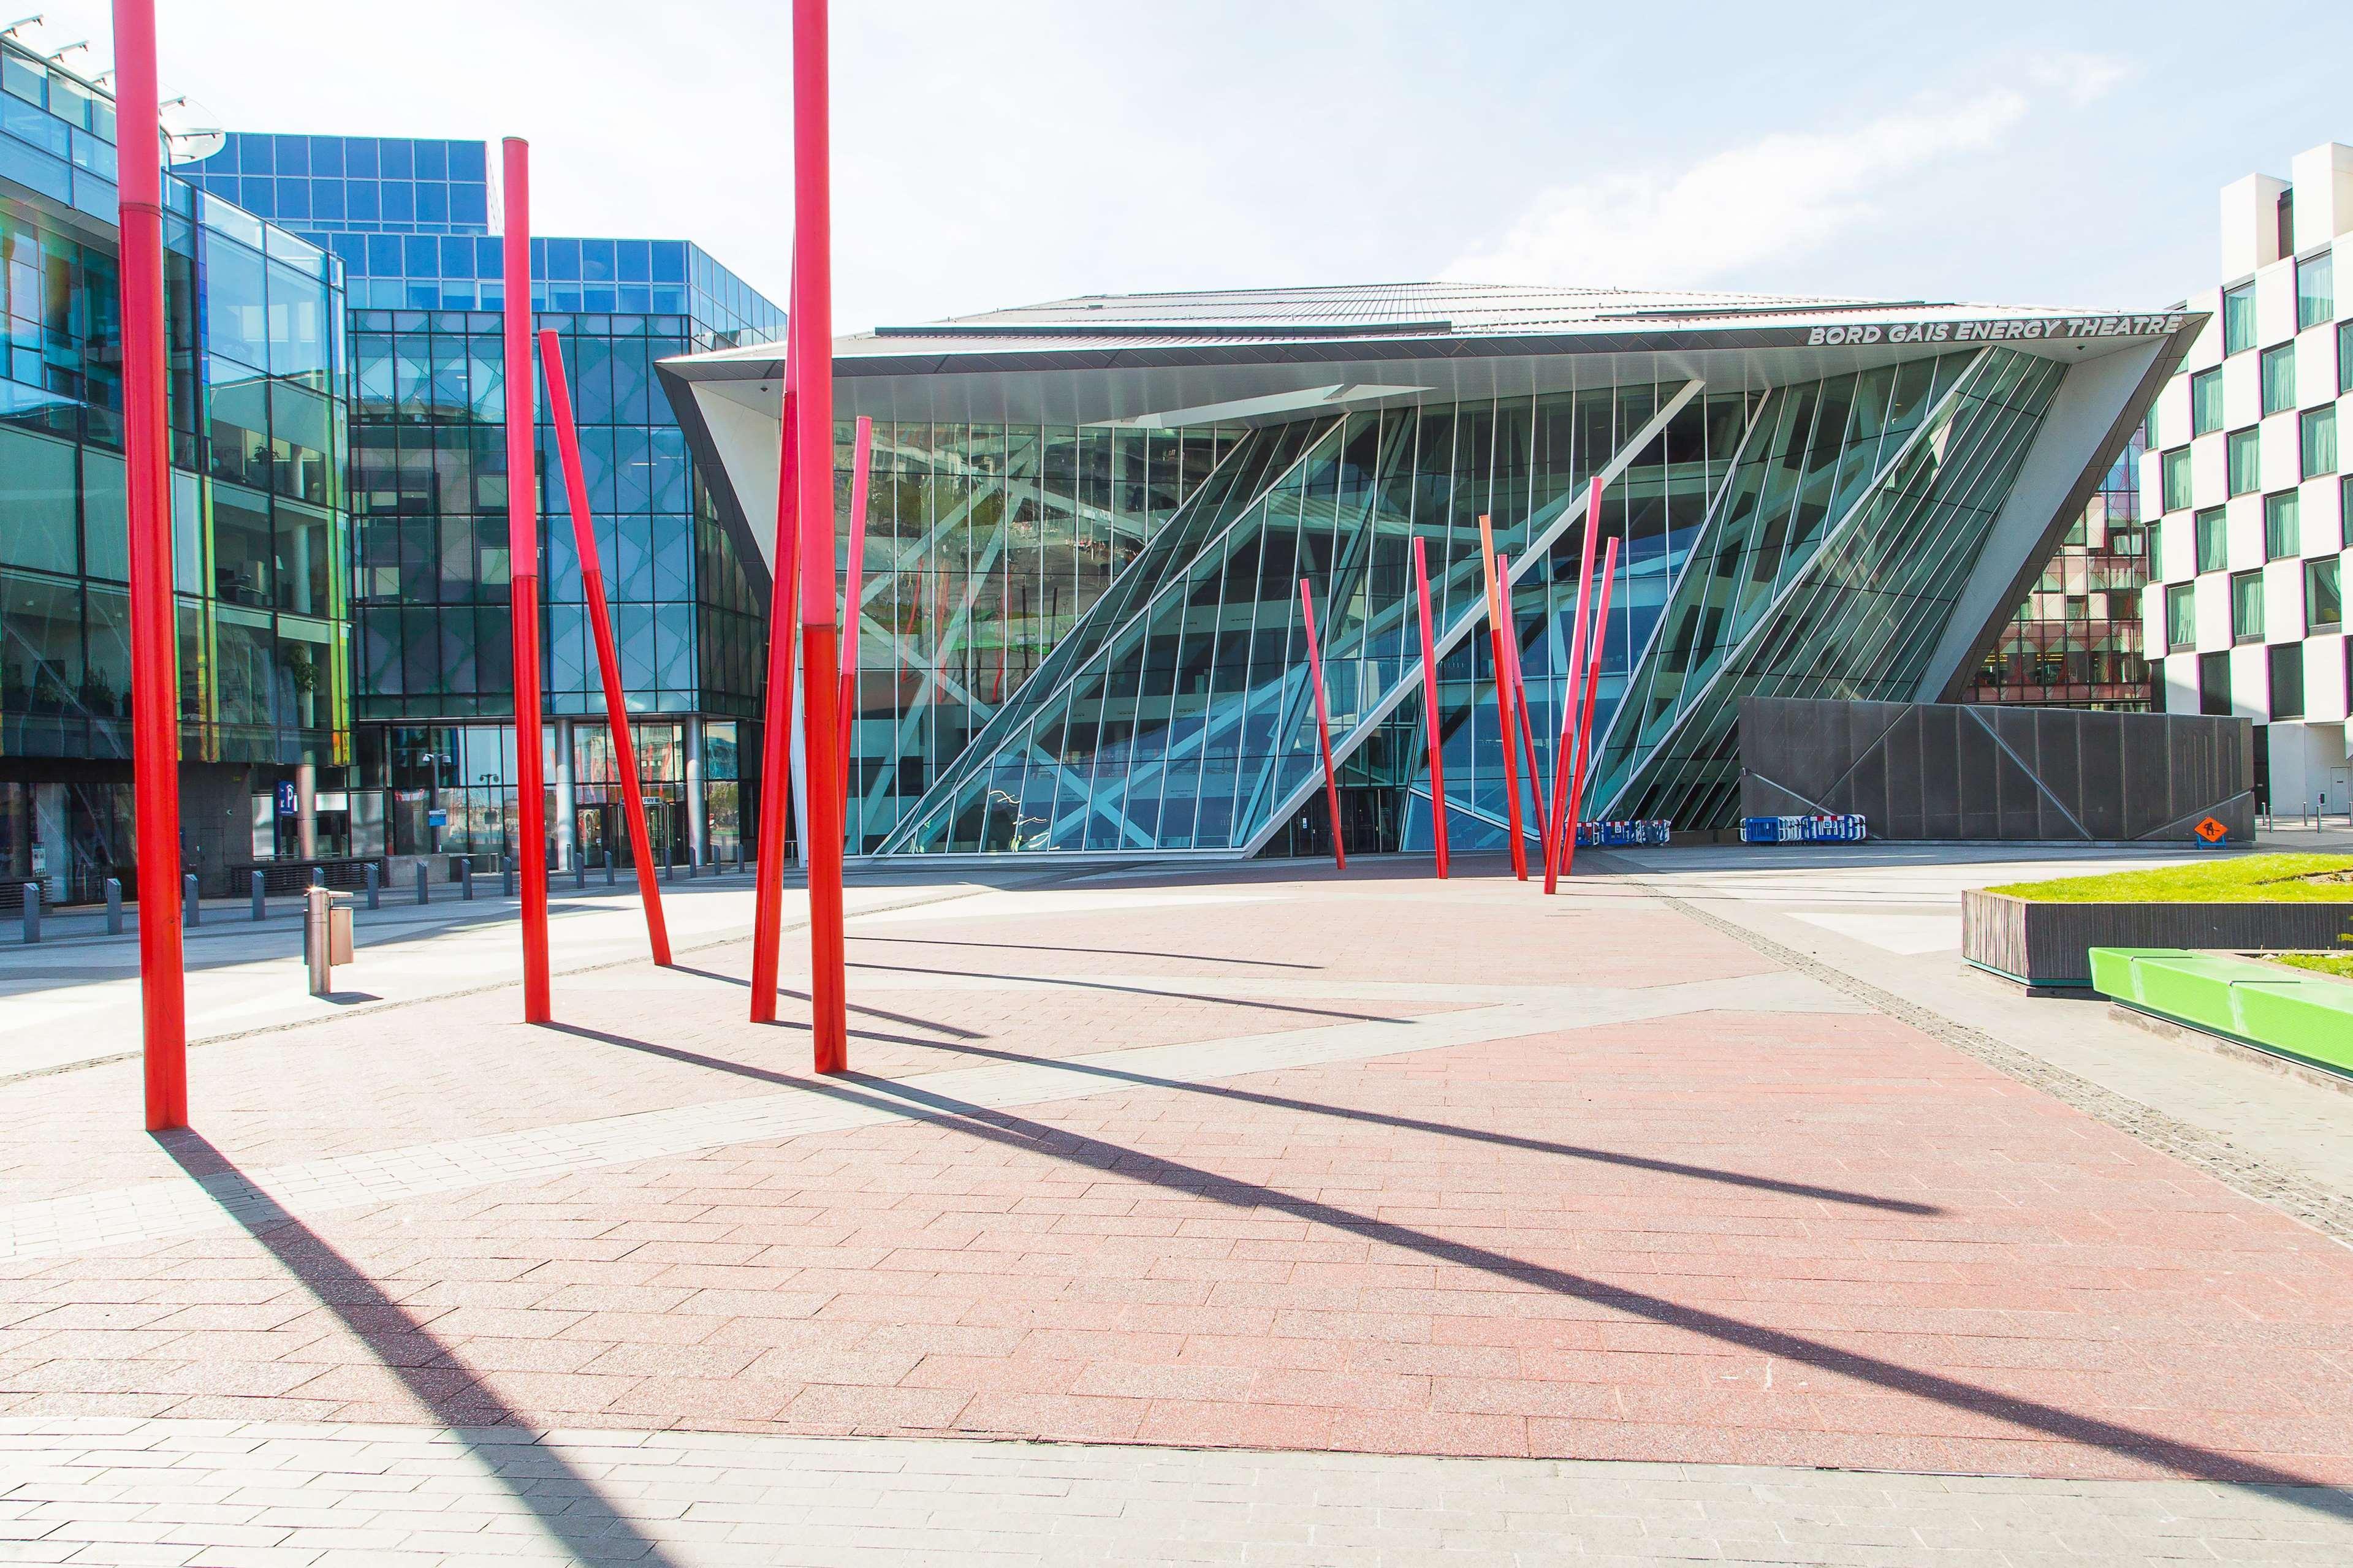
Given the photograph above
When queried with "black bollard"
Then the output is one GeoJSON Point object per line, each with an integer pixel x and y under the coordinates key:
{"type": "Point", "coordinates": [260, 901]}
{"type": "Point", "coordinates": [192, 914]}
{"type": "Point", "coordinates": [114, 906]}
{"type": "Point", "coordinates": [374, 885]}
{"type": "Point", "coordinates": [424, 895]}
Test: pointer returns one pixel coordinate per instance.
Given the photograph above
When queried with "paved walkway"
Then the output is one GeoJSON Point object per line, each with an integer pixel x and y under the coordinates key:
{"type": "Point", "coordinates": [1505, 1229]}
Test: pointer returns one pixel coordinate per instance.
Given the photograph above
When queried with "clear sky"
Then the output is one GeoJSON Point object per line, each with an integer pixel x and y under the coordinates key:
{"type": "Point", "coordinates": [2028, 151]}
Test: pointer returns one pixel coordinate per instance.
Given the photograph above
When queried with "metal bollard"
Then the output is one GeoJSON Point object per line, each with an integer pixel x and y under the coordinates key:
{"type": "Point", "coordinates": [192, 912]}
{"type": "Point", "coordinates": [32, 913]}
{"type": "Point", "coordinates": [466, 879]}
{"type": "Point", "coordinates": [261, 899]}
{"type": "Point", "coordinates": [114, 906]}
{"type": "Point", "coordinates": [423, 897]}
{"type": "Point", "coordinates": [318, 876]}
{"type": "Point", "coordinates": [374, 886]}
{"type": "Point", "coordinates": [608, 868]}
{"type": "Point", "coordinates": [506, 877]}
{"type": "Point", "coordinates": [579, 872]}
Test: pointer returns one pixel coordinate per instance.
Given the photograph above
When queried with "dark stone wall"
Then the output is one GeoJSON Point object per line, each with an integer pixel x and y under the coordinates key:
{"type": "Point", "coordinates": [1955, 771]}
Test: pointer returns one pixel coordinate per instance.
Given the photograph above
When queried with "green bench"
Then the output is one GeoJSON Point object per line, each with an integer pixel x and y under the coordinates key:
{"type": "Point", "coordinates": [2307, 1016]}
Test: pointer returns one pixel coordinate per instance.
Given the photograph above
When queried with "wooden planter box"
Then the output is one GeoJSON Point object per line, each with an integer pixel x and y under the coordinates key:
{"type": "Point", "coordinates": [2050, 945]}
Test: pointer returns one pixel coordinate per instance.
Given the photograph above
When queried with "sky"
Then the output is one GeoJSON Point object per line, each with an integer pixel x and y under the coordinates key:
{"type": "Point", "coordinates": [2056, 153]}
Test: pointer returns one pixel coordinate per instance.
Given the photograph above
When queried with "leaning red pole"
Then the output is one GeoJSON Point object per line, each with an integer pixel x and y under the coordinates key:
{"type": "Point", "coordinates": [1322, 725]}
{"type": "Point", "coordinates": [853, 588]}
{"type": "Point", "coordinates": [522, 585]}
{"type": "Point", "coordinates": [608, 656]}
{"type": "Point", "coordinates": [776, 734]}
{"type": "Point", "coordinates": [154, 642]}
{"type": "Point", "coordinates": [1429, 703]}
{"type": "Point", "coordinates": [1562, 747]}
{"type": "Point", "coordinates": [1521, 732]}
{"type": "Point", "coordinates": [1594, 645]}
{"type": "Point", "coordinates": [1500, 626]}
{"type": "Point", "coordinates": [812, 337]}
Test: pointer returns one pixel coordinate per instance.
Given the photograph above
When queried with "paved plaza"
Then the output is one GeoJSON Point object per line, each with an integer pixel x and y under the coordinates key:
{"type": "Point", "coordinates": [1256, 1215]}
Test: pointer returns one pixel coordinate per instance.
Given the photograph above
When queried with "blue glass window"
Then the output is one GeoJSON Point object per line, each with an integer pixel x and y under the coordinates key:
{"type": "Point", "coordinates": [563, 262]}
{"type": "Point", "coordinates": [384, 255]}
{"type": "Point", "coordinates": [326, 155]}
{"type": "Point", "coordinates": [489, 261]}
{"type": "Point", "coordinates": [293, 155]}
{"type": "Point", "coordinates": [258, 196]}
{"type": "Point", "coordinates": [633, 261]}
{"type": "Point", "coordinates": [359, 203]}
{"type": "Point", "coordinates": [456, 259]}
{"type": "Point", "coordinates": [398, 199]}
{"type": "Point", "coordinates": [469, 205]}
{"type": "Point", "coordinates": [432, 201]}
{"type": "Point", "coordinates": [421, 256]}
{"type": "Point", "coordinates": [327, 200]}
{"type": "Point", "coordinates": [254, 154]}
{"type": "Point", "coordinates": [360, 157]}
{"type": "Point", "coordinates": [432, 160]}
{"type": "Point", "coordinates": [670, 265]}
{"type": "Point", "coordinates": [596, 262]}
{"type": "Point", "coordinates": [467, 160]}
{"type": "Point", "coordinates": [396, 160]}
{"type": "Point", "coordinates": [293, 196]}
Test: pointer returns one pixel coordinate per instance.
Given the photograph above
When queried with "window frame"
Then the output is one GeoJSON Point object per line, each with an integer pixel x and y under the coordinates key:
{"type": "Point", "coordinates": [2246, 602]}
{"type": "Point", "coordinates": [2313, 311]}
{"type": "Point", "coordinates": [2316, 570]}
{"type": "Point", "coordinates": [2278, 657]}
{"type": "Point", "coordinates": [2181, 617]}
{"type": "Point", "coordinates": [2307, 422]}
{"type": "Point", "coordinates": [2200, 385]}
{"type": "Point", "coordinates": [2171, 498]}
{"type": "Point", "coordinates": [2267, 364]}
{"type": "Point", "coordinates": [2250, 440]}
{"type": "Point", "coordinates": [2217, 519]}
{"type": "Point", "coordinates": [2244, 294]}
{"type": "Point", "coordinates": [2290, 504]}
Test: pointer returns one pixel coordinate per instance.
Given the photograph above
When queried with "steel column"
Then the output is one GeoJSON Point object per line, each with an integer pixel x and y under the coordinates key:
{"type": "Point", "coordinates": [1323, 724]}
{"type": "Point", "coordinates": [154, 641]}
{"type": "Point", "coordinates": [1429, 703]}
{"type": "Point", "coordinates": [811, 329]}
{"type": "Point", "coordinates": [609, 656]}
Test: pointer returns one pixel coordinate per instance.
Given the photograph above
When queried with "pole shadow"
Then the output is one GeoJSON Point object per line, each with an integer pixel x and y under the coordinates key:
{"type": "Point", "coordinates": [1103, 951]}
{"type": "Point", "coordinates": [1070, 980]}
{"type": "Point", "coordinates": [567, 1504]}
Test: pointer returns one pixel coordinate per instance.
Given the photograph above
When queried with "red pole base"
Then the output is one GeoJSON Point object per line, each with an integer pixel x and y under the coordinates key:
{"type": "Point", "coordinates": [829, 981]}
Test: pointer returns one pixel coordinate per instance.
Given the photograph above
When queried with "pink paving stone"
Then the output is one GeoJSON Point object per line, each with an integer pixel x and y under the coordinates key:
{"type": "Point", "coordinates": [1875, 1251]}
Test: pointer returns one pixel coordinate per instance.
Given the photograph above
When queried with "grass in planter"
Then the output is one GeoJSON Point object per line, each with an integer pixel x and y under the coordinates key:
{"type": "Point", "coordinates": [2241, 879]}
{"type": "Point", "coordinates": [2339, 965]}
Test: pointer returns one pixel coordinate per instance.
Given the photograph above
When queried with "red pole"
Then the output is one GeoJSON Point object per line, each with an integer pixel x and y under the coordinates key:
{"type": "Point", "coordinates": [1322, 725]}
{"type": "Point", "coordinates": [776, 736]}
{"type": "Point", "coordinates": [155, 640]}
{"type": "Point", "coordinates": [522, 590]}
{"type": "Point", "coordinates": [1522, 734]}
{"type": "Point", "coordinates": [1497, 631]}
{"type": "Point", "coordinates": [854, 585]}
{"type": "Point", "coordinates": [1593, 646]}
{"type": "Point", "coordinates": [608, 656]}
{"type": "Point", "coordinates": [1429, 704]}
{"type": "Point", "coordinates": [812, 337]}
{"type": "Point", "coordinates": [1560, 755]}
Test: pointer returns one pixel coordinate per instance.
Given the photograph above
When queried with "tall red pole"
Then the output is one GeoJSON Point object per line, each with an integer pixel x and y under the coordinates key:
{"type": "Point", "coordinates": [1520, 733]}
{"type": "Point", "coordinates": [1499, 629]}
{"type": "Point", "coordinates": [1594, 645]}
{"type": "Point", "coordinates": [812, 337]}
{"type": "Point", "coordinates": [154, 642]}
{"type": "Point", "coordinates": [776, 735]}
{"type": "Point", "coordinates": [1322, 725]}
{"type": "Point", "coordinates": [1429, 703]}
{"type": "Point", "coordinates": [522, 589]}
{"type": "Point", "coordinates": [1560, 755]}
{"type": "Point", "coordinates": [853, 588]}
{"type": "Point", "coordinates": [608, 656]}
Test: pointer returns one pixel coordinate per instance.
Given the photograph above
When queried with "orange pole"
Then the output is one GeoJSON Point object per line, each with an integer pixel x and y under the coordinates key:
{"type": "Point", "coordinates": [609, 656]}
{"type": "Point", "coordinates": [155, 640]}
{"type": "Point", "coordinates": [1322, 725]}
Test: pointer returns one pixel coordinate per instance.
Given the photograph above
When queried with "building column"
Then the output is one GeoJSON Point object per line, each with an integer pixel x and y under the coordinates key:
{"type": "Point", "coordinates": [306, 810]}
{"type": "Point", "coordinates": [566, 795]}
{"type": "Point", "coordinates": [697, 810]}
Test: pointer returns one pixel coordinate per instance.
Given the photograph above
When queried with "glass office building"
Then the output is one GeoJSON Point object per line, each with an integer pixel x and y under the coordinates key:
{"type": "Point", "coordinates": [261, 517]}
{"type": "Point", "coordinates": [2075, 640]}
{"type": "Point", "coordinates": [1079, 629]}
{"type": "Point", "coordinates": [410, 222]}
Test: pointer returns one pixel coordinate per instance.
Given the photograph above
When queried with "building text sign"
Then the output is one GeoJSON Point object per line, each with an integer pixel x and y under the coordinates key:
{"type": "Point", "coordinates": [2006, 330]}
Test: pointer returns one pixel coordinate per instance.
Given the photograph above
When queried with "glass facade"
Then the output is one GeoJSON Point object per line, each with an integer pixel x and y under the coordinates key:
{"type": "Point", "coordinates": [258, 394]}
{"type": "Point", "coordinates": [2075, 640]}
{"type": "Point", "coordinates": [410, 221]}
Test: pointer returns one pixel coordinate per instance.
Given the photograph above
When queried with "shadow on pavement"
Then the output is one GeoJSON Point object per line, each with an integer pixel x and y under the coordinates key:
{"type": "Point", "coordinates": [567, 1504]}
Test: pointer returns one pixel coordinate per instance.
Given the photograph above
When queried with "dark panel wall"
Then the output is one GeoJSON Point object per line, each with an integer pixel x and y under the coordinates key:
{"type": "Point", "coordinates": [1946, 770]}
